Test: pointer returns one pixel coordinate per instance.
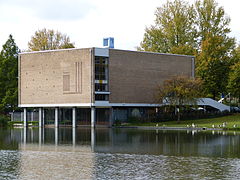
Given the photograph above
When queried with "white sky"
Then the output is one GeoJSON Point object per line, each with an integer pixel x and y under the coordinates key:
{"type": "Point", "coordinates": [87, 22]}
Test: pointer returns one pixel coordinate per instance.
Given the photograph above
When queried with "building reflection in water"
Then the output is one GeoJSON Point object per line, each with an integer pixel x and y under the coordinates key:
{"type": "Point", "coordinates": [84, 152]}
{"type": "Point", "coordinates": [48, 153]}
{"type": "Point", "coordinates": [187, 143]}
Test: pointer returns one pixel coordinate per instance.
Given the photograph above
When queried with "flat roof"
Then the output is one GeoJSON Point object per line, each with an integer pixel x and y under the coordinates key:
{"type": "Point", "coordinates": [70, 49]}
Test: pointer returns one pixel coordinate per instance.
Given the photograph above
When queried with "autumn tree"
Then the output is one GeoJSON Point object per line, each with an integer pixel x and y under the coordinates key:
{"type": "Point", "coordinates": [214, 57]}
{"type": "Point", "coordinates": [202, 30]}
{"type": "Point", "coordinates": [211, 19]}
{"type": "Point", "coordinates": [234, 81]}
{"type": "Point", "coordinates": [213, 64]}
{"type": "Point", "coordinates": [8, 76]}
{"type": "Point", "coordinates": [174, 30]}
{"type": "Point", "coordinates": [49, 39]}
{"type": "Point", "coordinates": [179, 91]}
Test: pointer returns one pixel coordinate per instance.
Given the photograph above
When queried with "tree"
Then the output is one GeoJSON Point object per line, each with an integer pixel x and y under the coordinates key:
{"type": "Point", "coordinates": [179, 91]}
{"type": "Point", "coordinates": [201, 30]}
{"type": "Point", "coordinates": [213, 64]}
{"type": "Point", "coordinates": [234, 81]}
{"type": "Point", "coordinates": [49, 39]}
{"type": "Point", "coordinates": [214, 57]}
{"type": "Point", "coordinates": [211, 19]}
{"type": "Point", "coordinates": [8, 76]}
{"type": "Point", "coordinates": [174, 30]}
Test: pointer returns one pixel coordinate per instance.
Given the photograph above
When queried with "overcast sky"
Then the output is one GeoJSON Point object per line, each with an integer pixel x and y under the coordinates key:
{"type": "Point", "coordinates": [86, 22]}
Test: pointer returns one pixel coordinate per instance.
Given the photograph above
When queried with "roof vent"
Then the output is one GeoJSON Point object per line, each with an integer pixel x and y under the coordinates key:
{"type": "Point", "coordinates": [108, 42]}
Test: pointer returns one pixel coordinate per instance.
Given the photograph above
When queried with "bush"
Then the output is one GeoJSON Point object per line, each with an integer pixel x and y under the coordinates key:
{"type": "Point", "coordinates": [4, 120]}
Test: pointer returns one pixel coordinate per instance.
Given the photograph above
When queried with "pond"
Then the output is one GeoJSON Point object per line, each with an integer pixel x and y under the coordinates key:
{"type": "Point", "coordinates": [104, 153]}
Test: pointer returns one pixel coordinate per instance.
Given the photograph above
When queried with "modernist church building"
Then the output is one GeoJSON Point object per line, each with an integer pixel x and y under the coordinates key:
{"type": "Point", "coordinates": [94, 86]}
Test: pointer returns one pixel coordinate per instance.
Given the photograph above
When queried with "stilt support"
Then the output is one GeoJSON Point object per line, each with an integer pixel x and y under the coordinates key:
{"type": "Point", "coordinates": [25, 117]}
{"type": "Point", "coordinates": [93, 116]}
{"type": "Point", "coordinates": [56, 117]}
{"type": "Point", "coordinates": [74, 117]}
{"type": "Point", "coordinates": [40, 117]}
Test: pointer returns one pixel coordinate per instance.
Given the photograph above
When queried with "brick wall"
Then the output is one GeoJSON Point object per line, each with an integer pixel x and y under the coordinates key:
{"type": "Point", "coordinates": [134, 76]}
{"type": "Point", "coordinates": [55, 77]}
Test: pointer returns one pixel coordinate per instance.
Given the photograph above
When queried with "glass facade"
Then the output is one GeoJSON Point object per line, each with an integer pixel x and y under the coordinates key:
{"type": "Point", "coordinates": [101, 78]}
{"type": "Point", "coordinates": [101, 97]}
{"type": "Point", "coordinates": [101, 68]}
{"type": "Point", "coordinates": [101, 87]}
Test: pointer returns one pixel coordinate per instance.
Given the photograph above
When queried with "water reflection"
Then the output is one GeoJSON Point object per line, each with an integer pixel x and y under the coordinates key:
{"type": "Point", "coordinates": [134, 141]}
{"type": "Point", "coordinates": [87, 153]}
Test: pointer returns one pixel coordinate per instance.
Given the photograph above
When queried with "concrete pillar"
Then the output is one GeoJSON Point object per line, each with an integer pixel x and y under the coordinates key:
{"type": "Point", "coordinates": [93, 139]}
{"type": "Point", "coordinates": [32, 116]}
{"type": "Point", "coordinates": [93, 116]}
{"type": "Point", "coordinates": [24, 135]}
{"type": "Point", "coordinates": [31, 131]}
{"type": "Point", "coordinates": [43, 133]}
{"type": "Point", "coordinates": [56, 136]}
{"type": "Point", "coordinates": [23, 146]}
{"type": "Point", "coordinates": [43, 117]}
{"type": "Point", "coordinates": [74, 136]}
{"type": "Point", "coordinates": [111, 117]}
{"type": "Point", "coordinates": [12, 116]}
{"type": "Point", "coordinates": [40, 136]}
{"type": "Point", "coordinates": [40, 120]}
{"type": "Point", "coordinates": [74, 117]}
{"type": "Point", "coordinates": [56, 117]}
{"type": "Point", "coordinates": [25, 117]}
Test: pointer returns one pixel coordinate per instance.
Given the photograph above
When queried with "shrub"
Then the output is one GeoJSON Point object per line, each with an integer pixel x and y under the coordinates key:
{"type": "Point", "coordinates": [4, 120]}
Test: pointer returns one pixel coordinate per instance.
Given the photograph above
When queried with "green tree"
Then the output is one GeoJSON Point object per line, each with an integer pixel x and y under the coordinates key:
{"type": "Point", "coordinates": [8, 76]}
{"type": "Point", "coordinates": [49, 39]}
{"type": "Point", "coordinates": [179, 91]}
{"type": "Point", "coordinates": [174, 30]}
{"type": "Point", "coordinates": [213, 64]}
{"type": "Point", "coordinates": [200, 29]}
{"type": "Point", "coordinates": [214, 57]}
{"type": "Point", "coordinates": [211, 19]}
{"type": "Point", "coordinates": [234, 81]}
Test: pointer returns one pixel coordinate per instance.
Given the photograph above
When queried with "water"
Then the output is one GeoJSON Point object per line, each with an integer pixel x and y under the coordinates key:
{"type": "Point", "coordinates": [84, 153]}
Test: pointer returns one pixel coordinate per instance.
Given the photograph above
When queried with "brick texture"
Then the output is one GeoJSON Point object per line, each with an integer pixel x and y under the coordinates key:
{"type": "Point", "coordinates": [41, 77]}
{"type": "Point", "coordinates": [134, 76]}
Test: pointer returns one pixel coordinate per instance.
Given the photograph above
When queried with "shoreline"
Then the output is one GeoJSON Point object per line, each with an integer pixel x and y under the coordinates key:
{"type": "Point", "coordinates": [171, 128]}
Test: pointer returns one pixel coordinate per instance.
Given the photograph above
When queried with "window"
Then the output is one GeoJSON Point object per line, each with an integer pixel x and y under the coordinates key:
{"type": "Point", "coordinates": [101, 87]}
{"type": "Point", "coordinates": [101, 97]}
{"type": "Point", "coordinates": [100, 72]}
{"type": "Point", "coordinates": [101, 68]}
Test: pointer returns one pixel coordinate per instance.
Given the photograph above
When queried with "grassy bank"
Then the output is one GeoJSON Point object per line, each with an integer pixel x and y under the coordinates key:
{"type": "Point", "coordinates": [231, 121]}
